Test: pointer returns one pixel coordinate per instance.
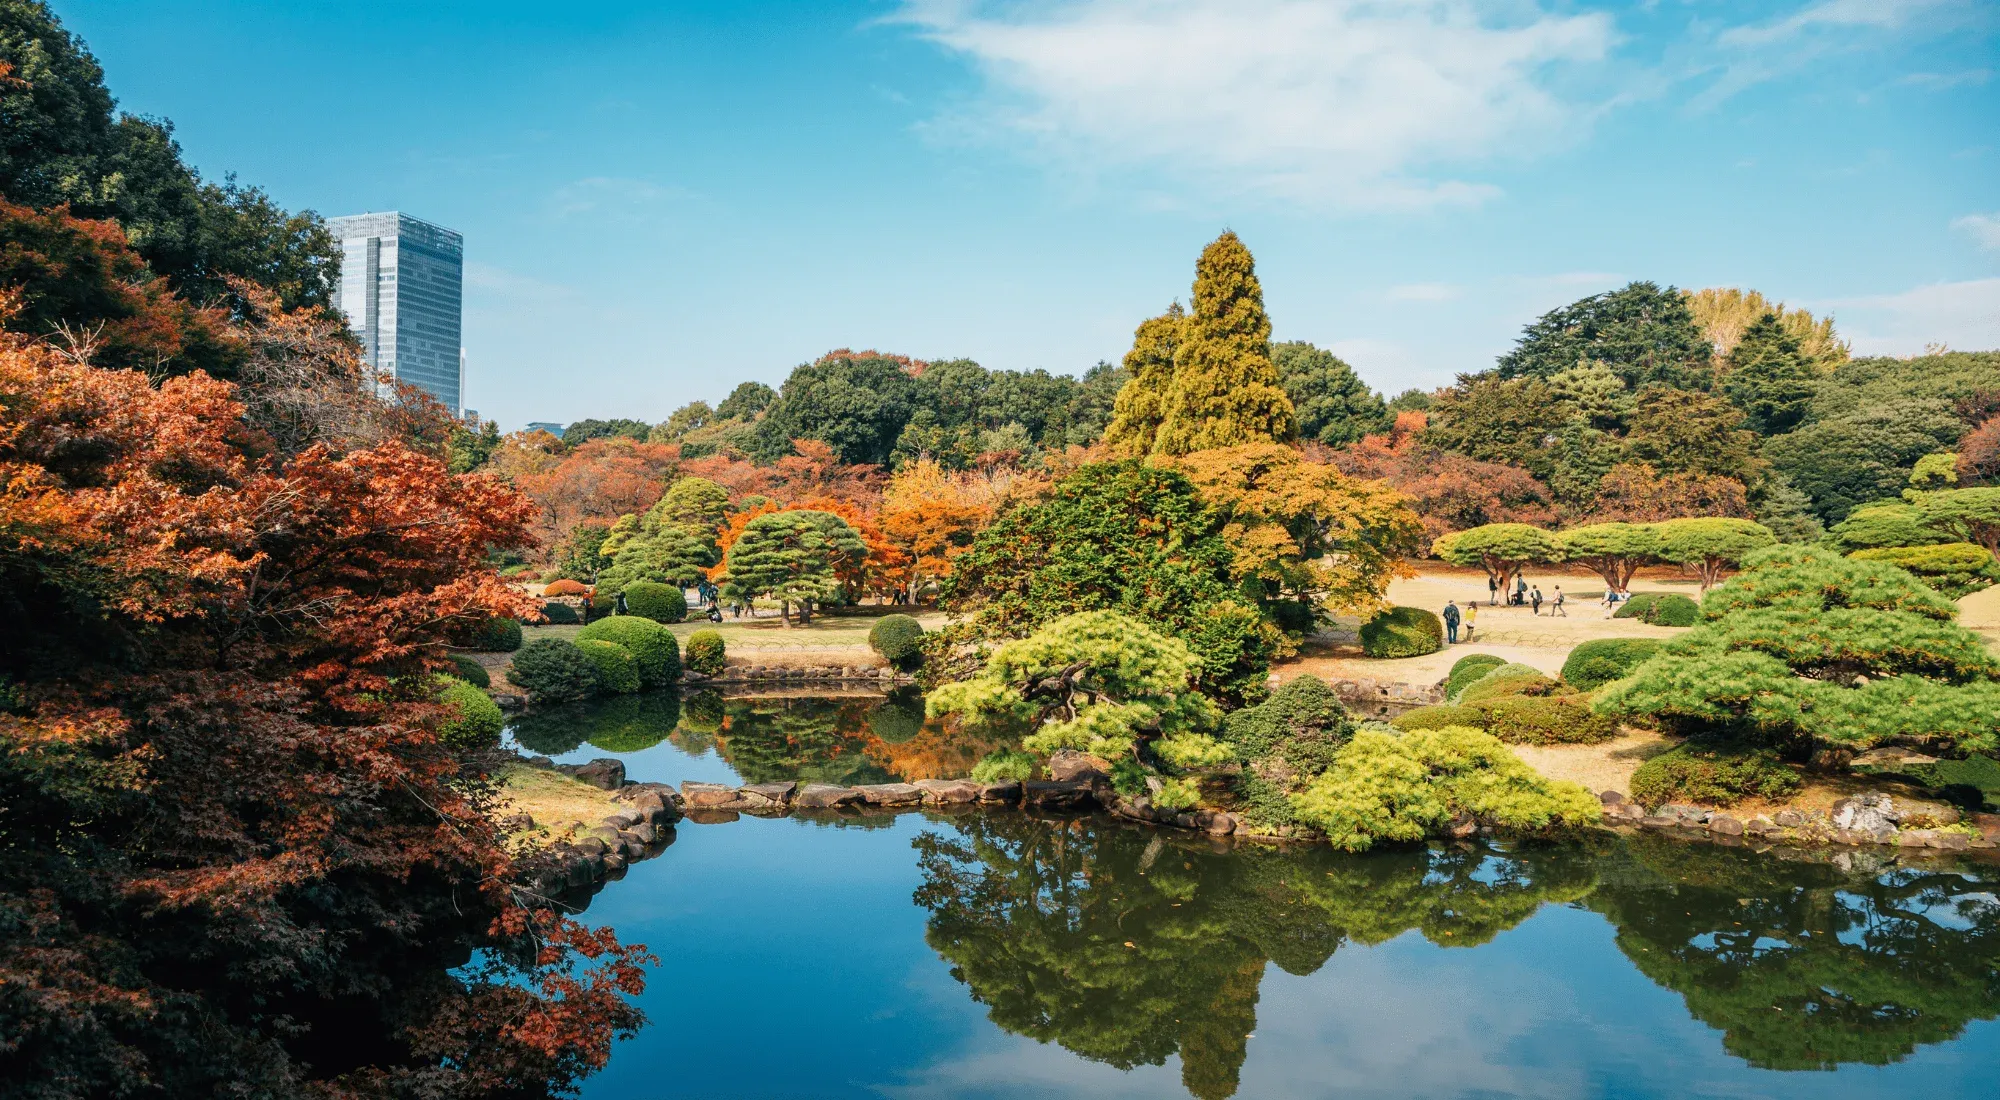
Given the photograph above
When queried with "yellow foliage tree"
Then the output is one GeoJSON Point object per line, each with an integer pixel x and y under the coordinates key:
{"type": "Point", "coordinates": [1225, 388]}
{"type": "Point", "coordinates": [1142, 402]}
{"type": "Point", "coordinates": [933, 515]}
{"type": "Point", "coordinates": [1726, 313]}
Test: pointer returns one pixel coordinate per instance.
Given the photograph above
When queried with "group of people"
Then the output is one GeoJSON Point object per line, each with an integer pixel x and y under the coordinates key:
{"type": "Point", "coordinates": [1524, 595]}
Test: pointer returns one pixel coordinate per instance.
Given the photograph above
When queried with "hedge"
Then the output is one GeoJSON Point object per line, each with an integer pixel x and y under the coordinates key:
{"type": "Point", "coordinates": [560, 614]}
{"type": "Point", "coordinates": [662, 603]}
{"type": "Point", "coordinates": [1712, 776]}
{"type": "Point", "coordinates": [1467, 672]}
{"type": "Point", "coordinates": [1437, 718]}
{"type": "Point", "coordinates": [1508, 679]}
{"type": "Point", "coordinates": [898, 638]}
{"type": "Point", "coordinates": [471, 671]}
{"type": "Point", "coordinates": [617, 669]}
{"type": "Point", "coordinates": [1596, 663]}
{"type": "Point", "coordinates": [1002, 766]}
{"type": "Point", "coordinates": [565, 587]}
{"type": "Point", "coordinates": [475, 722]}
{"type": "Point", "coordinates": [707, 653]}
{"type": "Point", "coordinates": [1660, 609]}
{"type": "Point", "coordinates": [499, 636]}
{"type": "Point", "coordinates": [1402, 632]}
{"type": "Point", "coordinates": [656, 653]}
{"type": "Point", "coordinates": [554, 670]}
{"type": "Point", "coordinates": [1546, 720]}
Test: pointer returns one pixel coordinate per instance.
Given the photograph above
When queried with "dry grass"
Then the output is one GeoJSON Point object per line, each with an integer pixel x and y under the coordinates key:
{"type": "Point", "coordinates": [554, 800]}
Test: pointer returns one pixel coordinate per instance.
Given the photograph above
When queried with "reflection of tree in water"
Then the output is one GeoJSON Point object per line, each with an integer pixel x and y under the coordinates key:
{"type": "Point", "coordinates": [622, 723]}
{"type": "Point", "coordinates": [810, 740]}
{"type": "Point", "coordinates": [1126, 947]}
{"type": "Point", "coordinates": [1804, 965]}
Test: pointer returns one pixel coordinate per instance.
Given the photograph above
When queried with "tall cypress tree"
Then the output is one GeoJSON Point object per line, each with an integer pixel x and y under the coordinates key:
{"type": "Point", "coordinates": [1149, 367]}
{"type": "Point", "coordinates": [1225, 388]}
{"type": "Point", "coordinates": [1768, 377]}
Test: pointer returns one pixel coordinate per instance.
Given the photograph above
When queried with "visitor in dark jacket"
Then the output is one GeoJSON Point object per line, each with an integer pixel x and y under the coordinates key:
{"type": "Point", "coordinates": [1450, 617]}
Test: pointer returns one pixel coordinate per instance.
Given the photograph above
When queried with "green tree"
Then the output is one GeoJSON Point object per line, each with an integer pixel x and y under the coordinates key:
{"type": "Point", "coordinates": [1788, 512]}
{"type": "Point", "coordinates": [1225, 389]}
{"type": "Point", "coordinates": [792, 557]}
{"type": "Point", "coordinates": [1334, 406]}
{"type": "Point", "coordinates": [1806, 649]}
{"type": "Point", "coordinates": [696, 503]}
{"type": "Point", "coordinates": [692, 416]}
{"type": "Point", "coordinates": [1976, 512]}
{"type": "Point", "coordinates": [858, 406]}
{"type": "Point", "coordinates": [1643, 333]}
{"type": "Point", "coordinates": [1141, 406]}
{"type": "Point", "coordinates": [1709, 544]}
{"type": "Point", "coordinates": [1502, 549]}
{"type": "Point", "coordinates": [1683, 431]}
{"type": "Point", "coordinates": [1613, 551]}
{"type": "Point", "coordinates": [1768, 376]}
{"type": "Point", "coordinates": [469, 448]}
{"type": "Point", "coordinates": [666, 554]}
{"type": "Point", "coordinates": [1725, 314]}
{"type": "Point", "coordinates": [1495, 419]}
{"type": "Point", "coordinates": [1889, 523]}
{"type": "Point", "coordinates": [583, 431]}
{"type": "Point", "coordinates": [1866, 455]}
{"type": "Point", "coordinates": [746, 401]}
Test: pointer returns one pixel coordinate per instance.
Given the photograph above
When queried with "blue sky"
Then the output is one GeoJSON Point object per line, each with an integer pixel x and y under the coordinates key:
{"type": "Point", "coordinates": [662, 200]}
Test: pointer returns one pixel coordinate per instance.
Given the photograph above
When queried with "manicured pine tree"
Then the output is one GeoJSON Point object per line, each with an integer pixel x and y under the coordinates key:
{"type": "Point", "coordinates": [1225, 388]}
{"type": "Point", "coordinates": [1142, 402]}
{"type": "Point", "coordinates": [1768, 377]}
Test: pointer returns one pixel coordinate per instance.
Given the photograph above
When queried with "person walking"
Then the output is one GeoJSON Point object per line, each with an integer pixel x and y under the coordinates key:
{"type": "Point", "coordinates": [1450, 622]}
{"type": "Point", "coordinates": [1471, 613]}
{"type": "Point", "coordinates": [1492, 591]}
{"type": "Point", "coordinates": [622, 609]}
{"type": "Point", "coordinates": [1520, 590]}
{"type": "Point", "coordinates": [1557, 608]}
{"type": "Point", "coordinates": [1536, 599]}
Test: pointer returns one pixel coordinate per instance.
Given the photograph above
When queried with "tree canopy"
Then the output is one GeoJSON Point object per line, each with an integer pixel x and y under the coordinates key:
{"type": "Point", "coordinates": [1333, 405]}
{"type": "Point", "coordinates": [1643, 333]}
{"type": "Point", "coordinates": [1225, 389]}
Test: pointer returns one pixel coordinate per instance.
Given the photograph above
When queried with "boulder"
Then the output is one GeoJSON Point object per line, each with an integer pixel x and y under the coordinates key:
{"type": "Point", "coordinates": [1954, 841]}
{"type": "Point", "coordinates": [1217, 823]}
{"type": "Point", "coordinates": [1914, 838]}
{"type": "Point", "coordinates": [707, 796]}
{"type": "Point", "coordinates": [624, 819]}
{"type": "Point", "coordinates": [1659, 821]}
{"type": "Point", "coordinates": [1069, 765]}
{"type": "Point", "coordinates": [603, 773]}
{"type": "Point", "coordinates": [824, 796]}
{"type": "Point", "coordinates": [1009, 791]}
{"type": "Point", "coordinates": [1788, 819]}
{"type": "Point", "coordinates": [1988, 826]}
{"type": "Point", "coordinates": [1610, 798]}
{"type": "Point", "coordinates": [1865, 812]}
{"type": "Point", "coordinates": [1725, 825]}
{"type": "Point", "coordinates": [1688, 815]}
{"type": "Point", "coordinates": [948, 790]}
{"type": "Point", "coordinates": [1054, 795]}
{"type": "Point", "coordinates": [646, 831]}
{"type": "Point", "coordinates": [891, 794]}
{"type": "Point", "coordinates": [775, 793]}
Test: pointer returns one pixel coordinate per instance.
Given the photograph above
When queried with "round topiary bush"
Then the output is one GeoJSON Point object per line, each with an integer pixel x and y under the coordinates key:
{"type": "Point", "coordinates": [560, 614]}
{"type": "Point", "coordinates": [1506, 680]}
{"type": "Point", "coordinates": [662, 603]}
{"type": "Point", "coordinates": [1467, 671]}
{"type": "Point", "coordinates": [565, 587]}
{"type": "Point", "coordinates": [1596, 663]}
{"type": "Point", "coordinates": [899, 639]}
{"type": "Point", "coordinates": [1402, 632]}
{"type": "Point", "coordinates": [654, 649]}
{"type": "Point", "coordinates": [707, 653]}
{"type": "Point", "coordinates": [471, 671]}
{"type": "Point", "coordinates": [1660, 609]}
{"type": "Point", "coordinates": [703, 712]}
{"type": "Point", "coordinates": [1712, 776]}
{"type": "Point", "coordinates": [554, 670]}
{"type": "Point", "coordinates": [474, 721]}
{"type": "Point", "coordinates": [499, 636]}
{"type": "Point", "coordinates": [617, 669]}
{"type": "Point", "coordinates": [1546, 720]}
{"type": "Point", "coordinates": [1437, 718]}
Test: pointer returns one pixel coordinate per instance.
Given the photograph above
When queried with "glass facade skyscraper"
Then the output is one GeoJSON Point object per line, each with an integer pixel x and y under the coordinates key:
{"type": "Point", "coordinates": [402, 287]}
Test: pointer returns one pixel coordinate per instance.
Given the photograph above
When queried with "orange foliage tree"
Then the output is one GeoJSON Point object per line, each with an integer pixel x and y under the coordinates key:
{"type": "Point", "coordinates": [1448, 490]}
{"type": "Point", "coordinates": [1635, 492]}
{"type": "Point", "coordinates": [934, 515]}
{"type": "Point", "coordinates": [600, 480]}
{"type": "Point", "coordinates": [884, 570]}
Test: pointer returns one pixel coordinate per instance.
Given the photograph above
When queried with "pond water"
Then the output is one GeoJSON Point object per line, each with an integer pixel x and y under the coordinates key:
{"type": "Point", "coordinates": [991, 954]}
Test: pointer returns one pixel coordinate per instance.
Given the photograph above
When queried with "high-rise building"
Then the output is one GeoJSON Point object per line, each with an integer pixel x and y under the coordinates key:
{"type": "Point", "coordinates": [402, 284]}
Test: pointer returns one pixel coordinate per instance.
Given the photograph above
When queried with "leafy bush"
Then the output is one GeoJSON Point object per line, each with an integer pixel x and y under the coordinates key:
{"type": "Point", "coordinates": [1546, 720]}
{"type": "Point", "coordinates": [1712, 776]}
{"type": "Point", "coordinates": [560, 614]}
{"type": "Point", "coordinates": [475, 722]}
{"type": "Point", "coordinates": [1402, 632]}
{"type": "Point", "coordinates": [707, 653]}
{"type": "Point", "coordinates": [655, 652]}
{"type": "Point", "coordinates": [1303, 720]}
{"type": "Point", "coordinates": [1955, 569]}
{"type": "Point", "coordinates": [499, 636]}
{"type": "Point", "coordinates": [617, 670]}
{"type": "Point", "coordinates": [1602, 660]}
{"type": "Point", "coordinates": [898, 638]}
{"type": "Point", "coordinates": [1889, 523]}
{"type": "Point", "coordinates": [703, 712]}
{"type": "Point", "coordinates": [1508, 679]}
{"type": "Point", "coordinates": [1437, 718]}
{"type": "Point", "coordinates": [1004, 765]}
{"type": "Point", "coordinates": [662, 603]}
{"type": "Point", "coordinates": [1468, 670]}
{"type": "Point", "coordinates": [554, 670]}
{"type": "Point", "coordinates": [566, 587]}
{"type": "Point", "coordinates": [471, 671]}
{"type": "Point", "coordinates": [1661, 609]}
{"type": "Point", "coordinates": [1402, 788]}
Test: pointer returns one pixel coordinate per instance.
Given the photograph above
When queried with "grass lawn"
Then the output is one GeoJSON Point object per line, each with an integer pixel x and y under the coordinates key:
{"type": "Point", "coordinates": [554, 800]}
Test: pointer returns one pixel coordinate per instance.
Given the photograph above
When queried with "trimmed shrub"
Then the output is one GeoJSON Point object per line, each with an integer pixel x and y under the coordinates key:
{"type": "Point", "coordinates": [655, 651]}
{"type": "Point", "coordinates": [475, 722]}
{"type": "Point", "coordinates": [1468, 670]}
{"type": "Point", "coordinates": [707, 653]}
{"type": "Point", "coordinates": [565, 587]}
{"type": "Point", "coordinates": [1402, 632]}
{"type": "Point", "coordinates": [898, 638]}
{"type": "Point", "coordinates": [1546, 720]}
{"type": "Point", "coordinates": [1660, 609]}
{"type": "Point", "coordinates": [554, 670]}
{"type": "Point", "coordinates": [1508, 679]}
{"type": "Point", "coordinates": [1954, 569]}
{"type": "Point", "coordinates": [499, 636]}
{"type": "Point", "coordinates": [703, 712]}
{"type": "Point", "coordinates": [662, 603]}
{"type": "Point", "coordinates": [1003, 766]}
{"type": "Point", "coordinates": [1712, 776]}
{"type": "Point", "coordinates": [1303, 722]}
{"type": "Point", "coordinates": [1437, 718]}
{"type": "Point", "coordinates": [617, 670]}
{"type": "Point", "coordinates": [471, 671]}
{"type": "Point", "coordinates": [1596, 663]}
{"type": "Point", "coordinates": [560, 614]}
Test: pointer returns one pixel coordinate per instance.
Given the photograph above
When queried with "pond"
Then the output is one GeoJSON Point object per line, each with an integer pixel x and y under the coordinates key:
{"type": "Point", "coordinates": [992, 954]}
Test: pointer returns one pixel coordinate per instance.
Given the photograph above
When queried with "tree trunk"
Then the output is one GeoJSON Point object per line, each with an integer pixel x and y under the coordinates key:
{"type": "Point", "coordinates": [785, 613]}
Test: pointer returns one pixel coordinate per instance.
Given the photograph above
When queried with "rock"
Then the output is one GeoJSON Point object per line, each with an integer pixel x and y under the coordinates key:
{"type": "Point", "coordinates": [624, 819]}
{"type": "Point", "coordinates": [1914, 838]}
{"type": "Point", "coordinates": [591, 845]}
{"type": "Point", "coordinates": [1883, 834]}
{"type": "Point", "coordinates": [948, 790]}
{"type": "Point", "coordinates": [1689, 815]}
{"type": "Point", "coordinates": [1832, 759]}
{"type": "Point", "coordinates": [1865, 811]}
{"type": "Point", "coordinates": [1725, 825]}
{"type": "Point", "coordinates": [1659, 821]}
{"type": "Point", "coordinates": [1628, 813]}
{"type": "Point", "coordinates": [516, 822]}
{"type": "Point", "coordinates": [999, 792]}
{"type": "Point", "coordinates": [1054, 795]}
{"type": "Point", "coordinates": [891, 794]}
{"type": "Point", "coordinates": [1217, 823]}
{"type": "Point", "coordinates": [707, 796]}
{"type": "Point", "coordinates": [506, 701]}
{"type": "Point", "coordinates": [1926, 815]}
{"type": "Point", "coordinates": [824, 796]}
{"type": "Point", "coordinates": [1069, 765]}
{"type": "Point", "coordinates": [603, 773]}
{"type": "Point", "coordinates": [1610, 798]}
{"type": "Point", "coordinates": [1988, 826]}
{"type": "Point", "coordinates": [777, 794]}
{"type": "Point", "coordinates": [1462, 827]}
{"type": "Point", "coordinates": [1890, 756]}
{"type": "Point", "coordinates": [1789, 819]}
{"type": "Point", "coordinates": [1956, 842]}
{"type": "Point", "coordinates": [646, 831]}
{"type": "Point", "coordinates": [541, 762]}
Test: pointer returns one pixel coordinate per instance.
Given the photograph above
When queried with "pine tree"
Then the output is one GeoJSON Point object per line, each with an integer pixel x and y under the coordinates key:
{"type": "Point", "coordinates": [1225, 388]}
{"type": "Point", "coordinates": [1768, 377]}
{"type": "Point", "coordinates": [1142, 402]}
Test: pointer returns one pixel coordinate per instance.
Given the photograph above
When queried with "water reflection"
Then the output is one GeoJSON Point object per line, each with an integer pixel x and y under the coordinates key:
{"type": "Point", "coordinates": [1126, 946]}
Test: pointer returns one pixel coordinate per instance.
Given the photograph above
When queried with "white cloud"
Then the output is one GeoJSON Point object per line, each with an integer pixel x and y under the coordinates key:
{"type": "Point", "coordinates": [1962, 315]}
{"type": "Point", "coordinates": [1833, 14]}
{"type": "Point", "coordinates": [1345, 100]}
{"type": "Point", "coordinates": [1423, 292]}
{"type": "Point", "coordinates": [1984, 228]}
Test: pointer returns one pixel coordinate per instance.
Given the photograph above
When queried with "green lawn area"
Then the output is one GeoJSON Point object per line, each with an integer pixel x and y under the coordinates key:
{"type": "Point", "coordinates": [766, 631]}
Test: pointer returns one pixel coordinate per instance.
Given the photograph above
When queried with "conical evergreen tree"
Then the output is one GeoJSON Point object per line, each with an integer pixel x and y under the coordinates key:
{"type": "Point", "coordinates": [1149, 369]}
{"type": "Point", "coordinates": [1768, 377]}
{"type": "Point", "coordinates": [1225, 390]}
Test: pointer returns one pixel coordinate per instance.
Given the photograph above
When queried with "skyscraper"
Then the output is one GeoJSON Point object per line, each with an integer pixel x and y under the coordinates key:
{"type": "Point", "coordinates": [402, 286]}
